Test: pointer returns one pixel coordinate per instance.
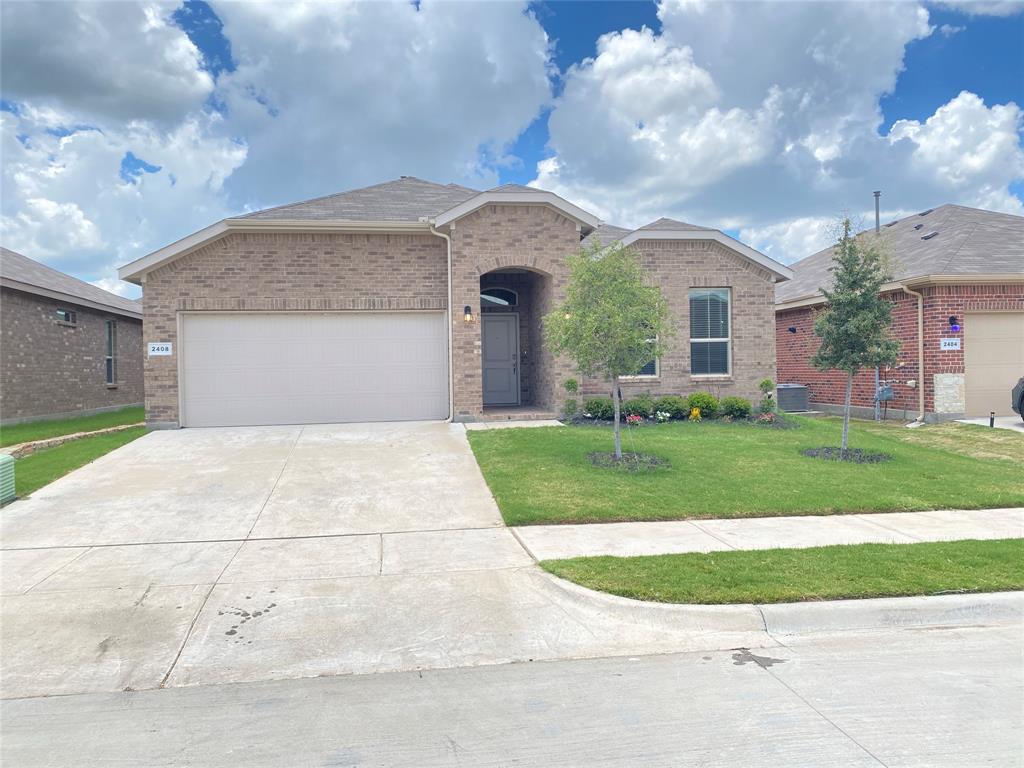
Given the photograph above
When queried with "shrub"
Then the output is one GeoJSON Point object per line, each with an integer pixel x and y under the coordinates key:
{"type": "Point", "coordinates": [642, 405]}
{"type": "Point", "coordinates": [735, 407]}
{"type": "Point", "coordinates": [600, 408]}
{"type": "Point", "coordinates": [674, 405]}
{"type": "Point", "coordinates": [570, 407]}
{"type": "Point", "coordinates": [571, 385]}
{"type": "Point", "coordinates": [707, 403]}
{"type": "Point", "coordinates": [766, 386]}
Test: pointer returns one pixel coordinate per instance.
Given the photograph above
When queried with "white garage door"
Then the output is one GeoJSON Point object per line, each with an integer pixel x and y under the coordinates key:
{"type": "Point", "coordinates": [993, 360]}
{"type": "Point", "coordinates": [306, 368]}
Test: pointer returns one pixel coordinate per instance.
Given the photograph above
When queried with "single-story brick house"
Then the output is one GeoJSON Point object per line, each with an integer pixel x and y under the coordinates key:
{"type": "Point", "coordinates": [958, 308]}
{"type": "Point", "coordinates": [69, 348]}
{"type": "Point", "coordinates": [415, 300]}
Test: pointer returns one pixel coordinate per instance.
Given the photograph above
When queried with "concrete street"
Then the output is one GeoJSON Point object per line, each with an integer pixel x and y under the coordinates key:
{"type": "Point", "coordinates": [922, 697]}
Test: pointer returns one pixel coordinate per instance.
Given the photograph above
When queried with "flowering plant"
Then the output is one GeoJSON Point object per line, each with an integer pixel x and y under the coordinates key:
{"type": "Point", "coordinates": [695, 414]}
{"type": "Point", "coordinates": [662, 416]}
{"type": "Point", "coordinates": [634, 418]}
{"type": "Point", "coordinates": [767, 417]}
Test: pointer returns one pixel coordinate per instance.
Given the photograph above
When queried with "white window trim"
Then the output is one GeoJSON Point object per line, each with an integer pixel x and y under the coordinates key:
{"type": "Point", "coordinates": [727, 339]}
{"type": "Point", "coordinates": [646, 376]}
{"type": "Point", "coordinates": [110, 343]}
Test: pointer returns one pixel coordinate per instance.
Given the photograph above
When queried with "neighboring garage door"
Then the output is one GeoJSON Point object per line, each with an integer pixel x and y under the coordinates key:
{"type": "Point", "coordinates": [306, 368]}
{"type": "Point", "coordinates": [993, 360]}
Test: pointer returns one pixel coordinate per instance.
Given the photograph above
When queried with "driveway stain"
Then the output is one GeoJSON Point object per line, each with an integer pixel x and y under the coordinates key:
{"type": "Point", "coordinates": [744, 656]}
{"type": "Point", "coordinates": [244, 616]}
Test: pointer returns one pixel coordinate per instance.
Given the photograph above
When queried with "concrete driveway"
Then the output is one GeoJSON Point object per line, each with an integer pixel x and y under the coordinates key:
{"type": "Point", "coordinates": [245, 554]}
{"type": "Point", "coordinates": [1001, 422]}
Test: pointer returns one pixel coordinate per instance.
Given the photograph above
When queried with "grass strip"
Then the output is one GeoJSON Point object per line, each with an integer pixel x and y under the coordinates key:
{"type": "Point", "coordinates": [43, 467]}
{"type": "Point", "coordinates": [40, 430]}
{"type": "Point", "coordinates": [797, 575]}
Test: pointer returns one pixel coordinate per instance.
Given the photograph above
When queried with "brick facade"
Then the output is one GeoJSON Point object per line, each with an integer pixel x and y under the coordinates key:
{"type": "Point", "coordinates": [50, 368]}
{"type": "Point", "coordinates": [517, 246]}
{"type": "Point", "coordinates": [942, 367]}
{"type": "Point", "coordinates": [678, 266]}
{"type": "Point", "coordinates": [500, 237]}
{"type": "Point", "coordinates": [285, 272]}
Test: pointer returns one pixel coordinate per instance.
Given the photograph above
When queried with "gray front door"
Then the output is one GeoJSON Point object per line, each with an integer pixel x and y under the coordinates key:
{"type": "Point", "coordinates": [501, 358]}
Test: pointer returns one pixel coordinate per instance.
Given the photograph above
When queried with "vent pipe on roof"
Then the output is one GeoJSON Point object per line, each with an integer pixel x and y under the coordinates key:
{"type": "Point", "coordinates": [878, 221]}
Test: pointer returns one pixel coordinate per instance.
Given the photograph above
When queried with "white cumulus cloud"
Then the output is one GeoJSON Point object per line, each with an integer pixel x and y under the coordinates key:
{"type": "Point", "coordinates": [780, 129]}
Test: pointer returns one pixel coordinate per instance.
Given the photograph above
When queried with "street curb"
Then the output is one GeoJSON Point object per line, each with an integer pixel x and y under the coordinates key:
{"type": "Point", "coordinates": [803, 618]}
{"type": "Point", "coordinates": [894, 613]}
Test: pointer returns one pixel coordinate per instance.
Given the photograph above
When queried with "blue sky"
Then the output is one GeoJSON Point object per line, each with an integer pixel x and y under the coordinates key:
{"type": "Point", "coordinates": [982, 54]}
{"type": "Point", "coordinates": [765, 119]}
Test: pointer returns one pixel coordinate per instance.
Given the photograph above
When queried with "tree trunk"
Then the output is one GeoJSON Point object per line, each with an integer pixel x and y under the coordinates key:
{"type": "Point", "coordinates": [618, 414]}
{"type": "Point", "coordinates": [846, 413]}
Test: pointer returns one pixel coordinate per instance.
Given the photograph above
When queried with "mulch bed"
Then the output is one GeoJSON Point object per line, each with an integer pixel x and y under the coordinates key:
{"type": "Point", "coordinates": [630, 462]}
{"type": "Point", "coordinates": [855, 455]}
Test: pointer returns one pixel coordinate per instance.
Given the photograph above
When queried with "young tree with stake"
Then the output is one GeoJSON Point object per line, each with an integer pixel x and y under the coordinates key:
{"type": "Point", "coordinates": [613, 321]}
{"type": "Point", "coordinates": [854, 326]}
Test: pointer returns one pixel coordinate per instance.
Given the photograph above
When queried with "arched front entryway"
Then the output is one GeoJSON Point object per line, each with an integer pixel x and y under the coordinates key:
{"type": "Point", "coordinates": [516, 369]}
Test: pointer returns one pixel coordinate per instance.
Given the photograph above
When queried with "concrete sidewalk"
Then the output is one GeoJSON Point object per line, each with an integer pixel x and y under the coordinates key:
{"type": "Point", "coordinates": [550, 542]}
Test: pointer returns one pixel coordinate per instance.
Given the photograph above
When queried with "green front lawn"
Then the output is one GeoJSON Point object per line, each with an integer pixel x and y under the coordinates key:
{"type": "Point", "coordinates": [43, 467]}
{"type": "Point", "coordinates": [794, 575]}
{"type": "Point", "coordinates": [40, 430]}
{"type": "Point", "coordinates": [718, 469]}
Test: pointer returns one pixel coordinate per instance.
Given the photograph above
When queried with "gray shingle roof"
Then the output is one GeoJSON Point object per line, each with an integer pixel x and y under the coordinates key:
{"type": "Point", "coordinates": [609, 233]}
{"type": "Point", "coordinates": [606, 234]}
{"type": "Point", "coordinates": [404, 199]}
{"type": "Point", "coordinates": [969, 241]}
{"type": "Point", "coordinates": [23, 273]}
{"type": "Point", "coordinates": [672, 225]}
{"type": "Point", "coordinates": [515, 188]}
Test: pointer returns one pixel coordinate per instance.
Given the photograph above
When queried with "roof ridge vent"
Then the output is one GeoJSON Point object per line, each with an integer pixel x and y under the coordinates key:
{"type": "Point", "coordinates": [925, 213]}
{"type": "Point", "coordinates": [892, 223]}
{"type": "Point", "coordinates": [930, 235]}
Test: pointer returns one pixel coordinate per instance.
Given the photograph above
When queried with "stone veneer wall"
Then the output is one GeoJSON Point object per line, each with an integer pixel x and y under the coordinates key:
{"type": "Point", "coordinates": [49, 368]}
{"type": "Point", "coordinates": [285, 272]}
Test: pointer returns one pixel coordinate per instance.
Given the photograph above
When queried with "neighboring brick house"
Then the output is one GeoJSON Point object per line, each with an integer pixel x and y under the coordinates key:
{"type": "Point", "coordinates": [336, 309]}
{"type": "Point", "coordinates": [68, 347]}
{"type": "Point", "coordinates": [968, 267]}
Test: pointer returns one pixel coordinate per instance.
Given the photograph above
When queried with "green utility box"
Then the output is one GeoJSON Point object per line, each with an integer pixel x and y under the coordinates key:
{"type": "Point", "coordinates": [6, 479]}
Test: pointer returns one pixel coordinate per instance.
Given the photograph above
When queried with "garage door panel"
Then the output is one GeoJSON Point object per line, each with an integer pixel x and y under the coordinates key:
{"type": "Point", "coordinates": [269, 368]}
{"type": "Point", "coordinates": [993, 360]}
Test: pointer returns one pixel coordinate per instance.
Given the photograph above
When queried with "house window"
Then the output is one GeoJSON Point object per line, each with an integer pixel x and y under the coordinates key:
{"type": "Point", "coordinates": [67, 316]}
{"type": "Point", "coordinates": [111, 351]}
{"type": "Point", "coordinates": [498, 297]}
{"type": "Point", "coordinates": [651, 370]}
{"type": "Point", "coordinates": [709, 332]}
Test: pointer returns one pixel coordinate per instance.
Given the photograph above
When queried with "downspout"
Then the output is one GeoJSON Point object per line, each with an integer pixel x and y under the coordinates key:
{"type": "Point", "coordinates": [451, 323]}
{"type": "Point", "coordinates": [920, 352]}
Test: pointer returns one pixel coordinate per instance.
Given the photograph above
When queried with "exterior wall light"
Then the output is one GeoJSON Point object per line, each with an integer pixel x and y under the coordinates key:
{"type": "Point", "coordinates": [954, 324]}
{"type": "Point", "coordinates": [792, 329]}
{"type": "Point", "coordinates": [467, 313]}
